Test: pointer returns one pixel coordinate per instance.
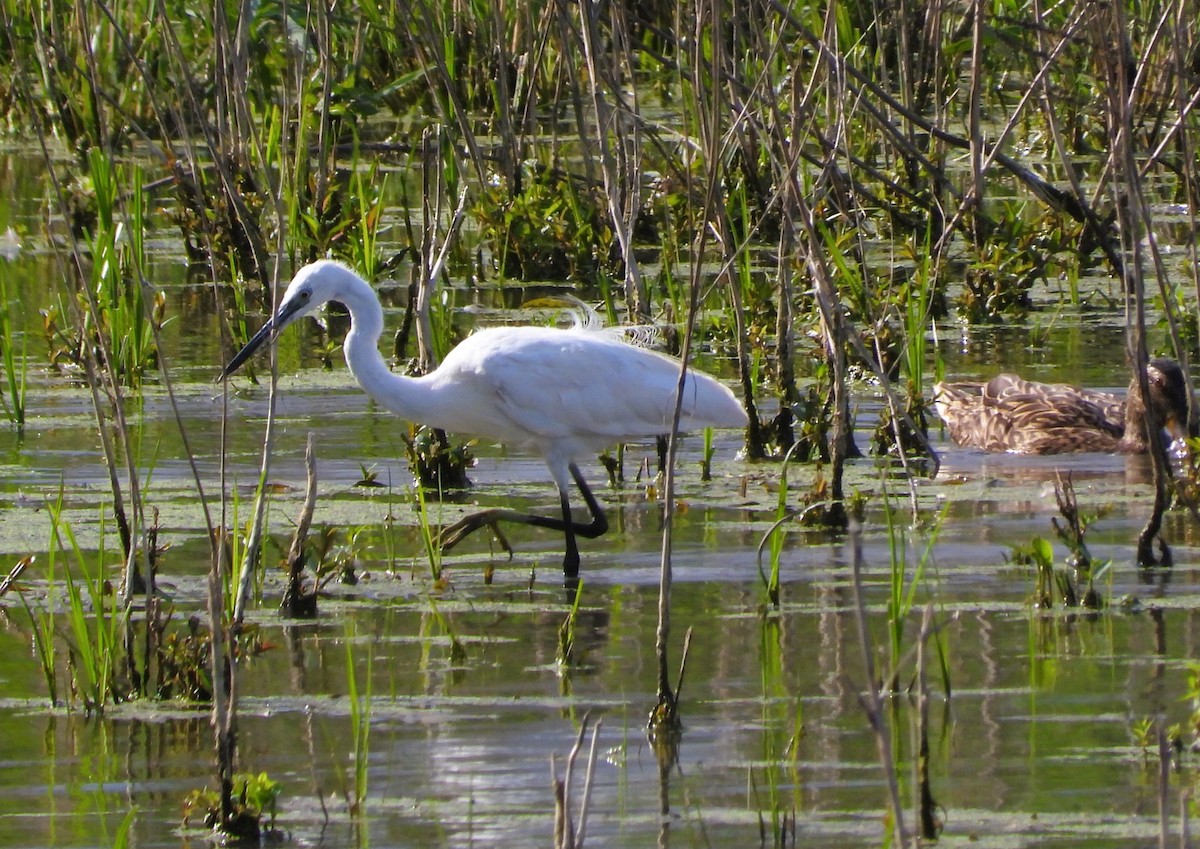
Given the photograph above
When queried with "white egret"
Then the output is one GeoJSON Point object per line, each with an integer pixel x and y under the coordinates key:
{"type": "Point", "coordinates": [560, 393]}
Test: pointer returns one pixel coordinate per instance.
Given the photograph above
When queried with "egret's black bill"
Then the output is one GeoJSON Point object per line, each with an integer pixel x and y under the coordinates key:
{"type": "Point", "coordinates": [248, 351]}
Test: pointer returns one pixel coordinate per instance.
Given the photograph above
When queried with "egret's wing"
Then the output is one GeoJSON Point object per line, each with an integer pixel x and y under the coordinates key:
{"type": "Point", "coordinates": [591, 387]}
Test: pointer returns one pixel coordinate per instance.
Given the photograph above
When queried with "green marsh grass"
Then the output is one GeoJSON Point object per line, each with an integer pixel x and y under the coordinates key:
{"type": "Point", "coordinates": [430, 534]}
{"type": "Point", "coordinates": [117, 251]}
{"type": "Point", "coordinates": [121, 838]}
{"type": "Point", "coordinates": [780, 755]}
{"type": "Point", "coordinates": [42, 623]}
{"type": "Point", "coordinates": [94, 624]}
{"type": "Point", "coordinates": [15, 363]}
{"type": "Point", "coordinates": [360, 727]}
{"type": "Point", "coordinates": [565, 656]}
{"type": "Point", "coordinates": [369, 191]}
{"type": "Point", "coordinates": [774, 538]}
{"type": "Point", "coordinates": [904, 587]}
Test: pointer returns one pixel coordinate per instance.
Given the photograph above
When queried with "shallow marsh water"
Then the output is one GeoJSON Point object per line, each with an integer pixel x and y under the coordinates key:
{"type": "Point", "coordinates": [1033, 747]}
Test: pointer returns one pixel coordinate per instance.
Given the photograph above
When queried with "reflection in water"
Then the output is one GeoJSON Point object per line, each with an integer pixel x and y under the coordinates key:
{"type": "Point", "coordinates": [460, 754]}
{"type": "Point", "coordinates": [1018, 470]}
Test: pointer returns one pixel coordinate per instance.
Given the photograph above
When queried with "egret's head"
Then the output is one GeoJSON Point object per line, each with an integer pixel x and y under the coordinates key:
{"type": "Point", "coordinates": [313, 286]}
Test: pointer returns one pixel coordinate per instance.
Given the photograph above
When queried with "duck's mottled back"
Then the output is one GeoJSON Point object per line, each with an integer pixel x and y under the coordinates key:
{"type": "Point", "coordinates": [1021, 416]}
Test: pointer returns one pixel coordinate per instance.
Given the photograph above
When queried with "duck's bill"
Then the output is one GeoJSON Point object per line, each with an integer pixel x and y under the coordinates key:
{"type": "Point", "coordinates": [1177, 431]}
{"type": "Point", "coordinates": [248, 350]}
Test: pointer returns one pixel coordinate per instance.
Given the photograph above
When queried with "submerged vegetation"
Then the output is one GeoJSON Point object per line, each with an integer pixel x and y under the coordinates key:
{"type": "Point", "coordinates": [816, 200]}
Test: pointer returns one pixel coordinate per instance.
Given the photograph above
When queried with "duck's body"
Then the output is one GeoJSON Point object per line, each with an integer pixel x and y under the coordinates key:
{"type": "Point", "coordinates": [1010, 414]}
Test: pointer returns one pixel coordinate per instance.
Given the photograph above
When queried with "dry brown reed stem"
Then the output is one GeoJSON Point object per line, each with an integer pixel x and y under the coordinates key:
{"type": "Point", "coordinates": [1181, 47]}
{"type": "Point", "coordinates": [884, 109]}
{"type": "Point", "coordinates": [510, 145]}
{"type": "Point", "coordinates": [253, 545]}
{"type": "Point", "coordinates": [431, 199]}
{"type": "Point", "coordinates": [665, 714]}
{"type": "Point", "coordinates": [1142, 215]}
{"type": "Point", "coordinates": [1076, 204]}
{"type": "Point", "coordinates": [325, 163]}
{"type": "Point", "coordinates": [231, 72]}
{"type": "Point", "coordinates": [833, 329]}
{"type": "Point", "coordinates": [785, 339]}
{"type": "Point", "coordinates": [618, 139]}
{"type": "Point", "coordinates": [797, 217]}
{"type": "Point", "coordinates": [1133, 222]}
{"type": "Point", "coordinates": [1040, 85]}
{"type": "Point", "coordinates": [569, 833]}
{"type": "Point", "coordinates": [160, 116]}
{"type": "Point", "coordinates": [712, 91]}
{"type": "Point", "coordinates": [222, 153]}
{"type": "Point", "coordinates": [294, 602]}
{"type": "Point", "coordinates": [974, 198]}
{"type": "Point", "coordinates": [848, 334]}
{"type": "Point", "coordinates": [14, 573]}
{"type": "Point", "coordinates": [234, 145]}
{"type": "Point", "coordinates": [427, 45]}
{"type": "Point", "coordinates": [254, 540]}
{"type": "Point", "coordinates": [224, 677]}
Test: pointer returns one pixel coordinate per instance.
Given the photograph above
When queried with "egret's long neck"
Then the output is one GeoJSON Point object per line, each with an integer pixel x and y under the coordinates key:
{"type": "Point", "coordinates": [411, 398]}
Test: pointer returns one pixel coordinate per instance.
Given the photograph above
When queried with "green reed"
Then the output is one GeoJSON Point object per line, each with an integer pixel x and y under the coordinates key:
{"type": "Point", "coordinates": [369, 190]}
{"type": "Point", "coordinates": [706, 455]}
{"type": "Point", "coordinates": [121, 839]}
{"type": "Point", "coordinates": [780, 754]}
{"type": "Point", "coordinates": [118, 256]}
{"type": "Point", "coordinates": [565, 656]}
{"type": "Point", "coordinates": [430, 533]}
{"type": "Point", "coordinates": [360, 725]}
{"type": "Point", "coordinates": [903, 587]}
{"type": "Point", "coordinates": [15, 363]}
{"type": "Point", "coordinates": [42, 623]}
{"type": "Point", "coordinates": [94, 622]}
{"type": "Point", "coordinates": [774, 538]}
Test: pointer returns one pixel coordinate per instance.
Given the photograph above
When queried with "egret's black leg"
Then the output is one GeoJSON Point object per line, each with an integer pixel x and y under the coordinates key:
{"type": "Point", "coordinates": [599, 524]}
{"type": "Point", "coordinates": [571, 557]}
{"type": "Point", "coordinates": [455, 533]}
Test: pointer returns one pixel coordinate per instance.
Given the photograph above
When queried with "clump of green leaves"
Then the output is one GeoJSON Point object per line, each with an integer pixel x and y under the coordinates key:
{"type": "Point", "coordinates": [255, 796]}
{"type": "Point", "coordinates": [1010, 256]}
{"type": "Point", "coordinates": [185, 664]}
{"type": "Point", "coordinates": [438, 466]}
{"type": "Point", "coordinates": [1073, 586]}
{"type": "Point", "coordinates": [1067, 587]}
{"type": "Point", "coordinates": [544, 228]}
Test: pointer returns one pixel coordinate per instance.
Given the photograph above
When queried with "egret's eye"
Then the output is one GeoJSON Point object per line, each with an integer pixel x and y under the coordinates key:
{"type": "Point", "coordinates": [305, 294]}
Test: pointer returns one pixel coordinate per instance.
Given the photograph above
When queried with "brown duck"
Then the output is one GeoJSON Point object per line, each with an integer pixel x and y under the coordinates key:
{"type": "Point", "coordinates": [1026, 417]}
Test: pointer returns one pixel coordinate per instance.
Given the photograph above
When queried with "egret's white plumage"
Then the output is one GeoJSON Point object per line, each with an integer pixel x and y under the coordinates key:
{"type": "Point", "coordinates": [559, 393]}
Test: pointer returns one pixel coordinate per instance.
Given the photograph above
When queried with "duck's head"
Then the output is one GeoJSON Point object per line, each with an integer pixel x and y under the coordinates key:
{"type": "Point", "coordinates": [1168, 395]}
